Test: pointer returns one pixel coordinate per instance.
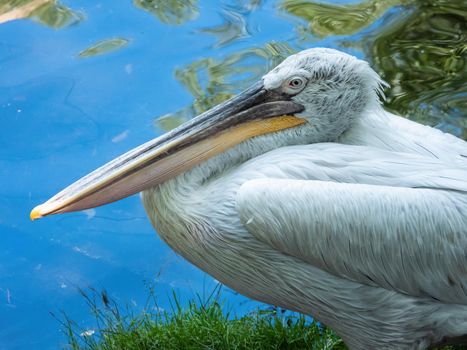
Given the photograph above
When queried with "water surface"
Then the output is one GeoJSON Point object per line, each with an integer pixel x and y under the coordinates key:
{"type": "Point", "coordinates": [84, 81]}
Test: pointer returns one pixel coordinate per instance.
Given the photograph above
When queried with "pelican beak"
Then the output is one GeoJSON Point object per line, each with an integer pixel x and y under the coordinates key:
{"type": "Point", "coordinates": [253, 112]}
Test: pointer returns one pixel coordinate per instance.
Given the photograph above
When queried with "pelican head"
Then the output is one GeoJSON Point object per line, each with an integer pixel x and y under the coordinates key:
{"type": "Point", "coordinates": [321, 91]}
{"type": "Point", "coordinates": [334, 88]}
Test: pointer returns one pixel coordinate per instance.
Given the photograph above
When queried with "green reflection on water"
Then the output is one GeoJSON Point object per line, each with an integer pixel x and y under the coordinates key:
{"type": "Point", "coordinates": [104, 46]}
{"type": "Point", "coordinates": [170, 11]}
{"type": "Point", "coordinates": [212, 81]}
{"type": "Point", "coordinates": [47, 12]}
{"type": "Point", "coordinates": [423, 56]}
{"type": "Point", "coordinates": [232, 28]}
{"type": "Point", "coordinates": [328, 19]}
{"type": "Point", "coordinates": [418, 46]}
{"type": "Point", "coordinates": [421, 50]}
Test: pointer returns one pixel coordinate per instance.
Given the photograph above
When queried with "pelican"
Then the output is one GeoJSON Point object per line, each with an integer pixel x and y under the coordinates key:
{"type": "Point", "coordinates": [303, 192]}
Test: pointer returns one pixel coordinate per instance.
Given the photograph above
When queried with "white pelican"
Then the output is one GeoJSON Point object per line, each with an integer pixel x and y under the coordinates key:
{"type": "Point", "coordinates": [303, 192]}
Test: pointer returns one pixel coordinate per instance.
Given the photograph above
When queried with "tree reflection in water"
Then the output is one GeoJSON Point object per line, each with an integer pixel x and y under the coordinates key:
{"type": "Point", "coordinates": [47, 12]}
{"type": "Point", "coordinates": [418, 46]}
{"type": "Point", "coordinates": [170, 11]}
{"type": "Point", "coordinates": [421, 50]}
{"type": "Point", "coordinates": [212, 81]}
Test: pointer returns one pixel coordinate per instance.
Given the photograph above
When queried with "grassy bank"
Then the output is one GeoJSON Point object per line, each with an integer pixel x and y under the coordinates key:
{"type": "Point", "coordinates": [203, 324]}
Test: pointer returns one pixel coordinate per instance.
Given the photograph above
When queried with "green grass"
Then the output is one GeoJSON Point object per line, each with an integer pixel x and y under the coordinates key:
{"type": "Point", "coordinates": [203, 324]}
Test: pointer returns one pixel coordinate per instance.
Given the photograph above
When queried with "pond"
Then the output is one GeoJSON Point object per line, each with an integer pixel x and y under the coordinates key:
{"type": "Point", "coordinates": [84, 81]}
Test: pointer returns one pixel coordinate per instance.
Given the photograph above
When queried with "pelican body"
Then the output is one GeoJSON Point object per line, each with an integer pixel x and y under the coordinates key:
{"type": "Point", "coordinates": [303, 192]}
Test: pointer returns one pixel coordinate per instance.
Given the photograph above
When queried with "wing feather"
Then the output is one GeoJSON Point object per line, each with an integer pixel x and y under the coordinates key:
{"type": "Point", "coordinates": [411, 239]}
{"type": "Point", "coordinates": [387, 131]}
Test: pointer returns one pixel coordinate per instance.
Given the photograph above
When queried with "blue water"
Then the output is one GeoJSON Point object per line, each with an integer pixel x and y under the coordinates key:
{"type": "Point", "coordinates": [64, 115]}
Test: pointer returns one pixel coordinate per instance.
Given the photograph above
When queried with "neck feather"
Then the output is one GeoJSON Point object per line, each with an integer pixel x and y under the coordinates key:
{"type": "Point", "coordinates": [219, 164]}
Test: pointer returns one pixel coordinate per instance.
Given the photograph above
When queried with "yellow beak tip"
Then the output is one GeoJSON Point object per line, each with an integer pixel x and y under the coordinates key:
{"type": "Point", "coordinates": [35, 213]}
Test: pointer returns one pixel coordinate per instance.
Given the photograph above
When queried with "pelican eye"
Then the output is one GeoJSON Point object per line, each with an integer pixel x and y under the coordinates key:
{"type": "Point", "coordinates": [295, 84]}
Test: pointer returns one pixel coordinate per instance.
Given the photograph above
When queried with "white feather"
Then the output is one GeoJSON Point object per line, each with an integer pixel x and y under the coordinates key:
{"type": "Point", "coordinates": [367, 233]}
